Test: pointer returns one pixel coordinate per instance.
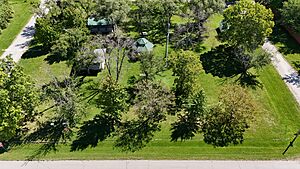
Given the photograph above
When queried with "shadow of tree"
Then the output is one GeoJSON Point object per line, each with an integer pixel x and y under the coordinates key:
{"type": "Point", "coordinates": [222, 62]}
{"type": "Point", "coordinates": [34, 51]}
{"type": "Point", "coordinates": [249, 80]}
{"type": "Point", "coordinates": [293, 79]}
{"type": "Point", "coordinates": [229, 62]}
{"type": "Point", "coordinates": [93, 131]}
{"type": "Point", "coordinates": [287, 44]}
{"type": "Point", "coordinates": [51, 59]}
{"type": "Point", "coordinates": [296, 65]}
{"type": "Point", "coordinates": [49, 134]}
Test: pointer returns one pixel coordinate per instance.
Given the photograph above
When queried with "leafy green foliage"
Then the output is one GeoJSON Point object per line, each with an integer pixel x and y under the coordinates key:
{"type": "Point", "coordinates": [111, 99]}
{"type": "Point", "coordinates": [246, 24]}
{"type": "Point", "coordinates": [115, 10]}
{"type": "Point", "coordinates": [153, 16]}
{"type": "Point", "coordinates": [187, 36]}
{"type": "Point", "coordinates": [226, 122]}
{"type": "Point", "coordinates": [188, 123]}
{"type": "Point", "coordinates": [186, 67]}
{"type": "Point", "coordinates": [290, 14]}
{"type": "Point", "coordinates": [150, 65]}
{"type": "Point", "coordinates": [6, 13]}
{"type": "Point", "coordinates": [150, 107]}
{"type": "Point", "coordinates": [63, 16]}
{"type": "Point", "coordinates": [68, 44]}
{"type": "Point", "coordinates": [18, 99]}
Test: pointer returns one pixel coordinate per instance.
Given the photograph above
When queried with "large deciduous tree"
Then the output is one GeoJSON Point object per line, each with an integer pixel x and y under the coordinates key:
{"type": "Point", "coordinates": [189, 119]}
{"type": "Point", "coordinates": [61, 16]}
{"type": "Point", "coordinates": [150, 107]}
{"type": "Point", "coordinates": [18, 99]}
{"type": "Point", "coordinates": [196, 12]}
{"type": "Point", "coordinates": [246, 24]}
{"type": "Point", "coordinates": [66, 47]}
{"type": "Point", "coordinates": [153, 17]}
{"type": "Point", "coordinates": [291, 15]}
{"type": "Point", "coordinates": [67, 111]}
{"type": "Point", "coordinates": [226, 122]}
{"type": "Point", "coordinates": [115, 10]}
{"type": "Point", "coordinates": [186, 67]}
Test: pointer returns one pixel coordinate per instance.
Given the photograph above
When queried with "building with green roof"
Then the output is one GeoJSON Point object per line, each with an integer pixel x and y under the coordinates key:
{"type": "Point", "coordinates": [143, 45]}
{"type": "Point", "coordinates": [103, 26]}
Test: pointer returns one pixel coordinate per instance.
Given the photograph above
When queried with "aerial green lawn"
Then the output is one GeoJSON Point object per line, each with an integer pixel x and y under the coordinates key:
{"type": "Point", "coordinates": [22, 12]}
{"type": "Point", "coordinates": [269, 134]}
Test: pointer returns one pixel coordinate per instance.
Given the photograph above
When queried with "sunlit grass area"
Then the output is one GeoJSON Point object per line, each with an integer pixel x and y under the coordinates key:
{"type": "Point", "coordinates": [269, 134]}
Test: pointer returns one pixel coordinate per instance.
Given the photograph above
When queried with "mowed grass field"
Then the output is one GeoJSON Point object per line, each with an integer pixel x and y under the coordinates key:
{"type": "Point", "coordinates": [268, 136]}
{"type": "Point", "coordinates": [22, 13]}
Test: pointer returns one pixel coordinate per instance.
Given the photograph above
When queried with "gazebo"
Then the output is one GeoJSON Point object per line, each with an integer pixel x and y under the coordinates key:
{"type": "Point", "coordinates": [143, 45]}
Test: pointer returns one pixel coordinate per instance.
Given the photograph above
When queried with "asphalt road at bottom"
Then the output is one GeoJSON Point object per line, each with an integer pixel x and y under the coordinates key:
{"type": "Point", "coordinates": [150, 164]}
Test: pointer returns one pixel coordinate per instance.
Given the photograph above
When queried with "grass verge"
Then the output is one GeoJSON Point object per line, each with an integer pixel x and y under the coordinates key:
{"type": "Point", "coordinates": [22, 13]}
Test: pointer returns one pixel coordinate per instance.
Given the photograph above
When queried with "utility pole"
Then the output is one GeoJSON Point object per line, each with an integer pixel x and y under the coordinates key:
{"type": "Point", "coordinates": [167, 42]}
{"type": "Point", "coordinates": [292, 142]}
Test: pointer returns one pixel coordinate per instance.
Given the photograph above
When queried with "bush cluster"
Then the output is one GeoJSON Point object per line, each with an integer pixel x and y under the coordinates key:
{"type": "Point", "coordinates": [6, 13]}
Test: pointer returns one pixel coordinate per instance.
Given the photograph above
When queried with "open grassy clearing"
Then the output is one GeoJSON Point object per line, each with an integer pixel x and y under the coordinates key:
{"type": "Point", "coordinates": [22, 13]}
{"type": "Point", "coordinates": [268, 136]}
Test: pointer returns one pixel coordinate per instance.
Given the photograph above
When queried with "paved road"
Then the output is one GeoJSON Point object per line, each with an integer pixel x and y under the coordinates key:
{"type": "Point", "coordinates": [285, 70]}
{"type": "Point", "coordinates": [20, 44]}
{"type": "Point", "coordinates": [145, 164]}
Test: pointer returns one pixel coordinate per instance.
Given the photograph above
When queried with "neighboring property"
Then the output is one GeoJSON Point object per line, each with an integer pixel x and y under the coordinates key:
{"type": "Point", "coordinates": [96, 66]}
{"type": "Point", "coordinates": [103, 26]}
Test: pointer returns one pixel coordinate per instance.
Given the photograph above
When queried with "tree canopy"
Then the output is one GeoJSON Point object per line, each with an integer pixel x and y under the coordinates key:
{"type": "Point", "coordinates": [290, 14]}
{"type": "Point", "coordinates": [19, 99]}
{"type": "Point", "coordinates": [115, 10]}
{"type": "Point", "coordinates": [60, 17]}
{"type": "Point", "coordinates": [226, 122]}
{"type": "Point", "coordinates": [196, 12]}
{"type": "Point", "coordinates": [246, 24]}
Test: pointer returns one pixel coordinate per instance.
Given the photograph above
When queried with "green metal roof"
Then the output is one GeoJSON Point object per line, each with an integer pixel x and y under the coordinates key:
{"type": "Point", "coordinates": [143, 45]}
{"type": "Point", "coordinates": [95, 22]}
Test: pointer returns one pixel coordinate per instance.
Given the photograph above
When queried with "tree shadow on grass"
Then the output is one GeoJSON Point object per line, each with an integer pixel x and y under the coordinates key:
{"type": "Point", "coordinates": [230, 62]}
{"type": "Point", "coordinates": [296, 65]}
{"type": "Point", "coordinates": [49, 135]}
{"type": "Point", "coordinates": [281, 36]}
{"type": "Point", "coordinates": [93, 131]}
{"type": "Point", "coordinates": [51, 59]}
{"type": "Point", "coordinates": [34, 52]}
